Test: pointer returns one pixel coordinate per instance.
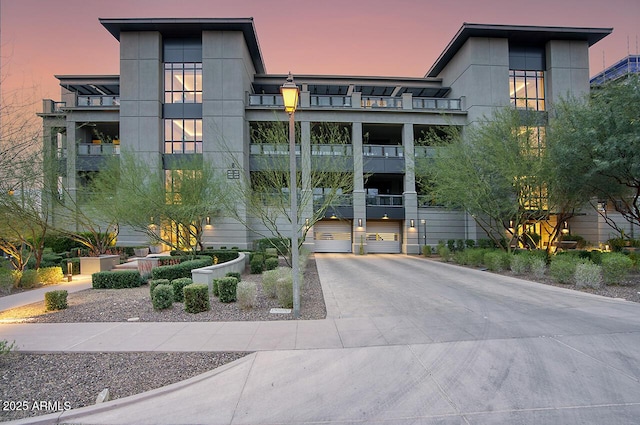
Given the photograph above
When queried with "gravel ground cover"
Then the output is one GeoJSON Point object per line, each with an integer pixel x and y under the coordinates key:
{"type": "Point", "coordinates": [33, 384]}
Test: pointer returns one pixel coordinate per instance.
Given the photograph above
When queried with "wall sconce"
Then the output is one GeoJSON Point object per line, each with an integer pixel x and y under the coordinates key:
{"type": "Point", "coordinates": [412, 223]}
{"type": "Point", "coordinates": [385, 216]}
{"type": "Point", "coordinates": [359, 222]}
{"type": "Point", "coordinates": [333, 216]}
{"type": "Point", "coordinates": [511, 229]}
{"type": "Point", "coordinates": [565, 228]}
{"type": "Point", "coordinates": [208, 221]}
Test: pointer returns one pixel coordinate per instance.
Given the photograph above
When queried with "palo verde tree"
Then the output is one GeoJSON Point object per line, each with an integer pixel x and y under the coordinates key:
{"type": "Point", "coordinates": [596, 145]}
{"type": "Point", "coordinates": [496, 171]}
{"type": "Point", "coordinates": [168, 206]}
{"type": "Point", "coordinates": [324, 179]}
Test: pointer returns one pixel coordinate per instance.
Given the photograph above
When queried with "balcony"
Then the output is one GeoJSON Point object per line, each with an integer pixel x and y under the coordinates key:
{"type": "Point", "coordinates": [385, 200]}
{"type": "Point", "coordinates": [387, 102]}
{"type": "Point", "coordinates": [97, 101]}
{"type": "Point", "coordinates": [330, 101]}
{"type": "Point", "coordinates": [266, 100]}
{"type": "Point", "coordinates": [424, 151]}
{"type": "Point", "coordinates": [98, 149]}
{"type": "Point", "coordinates": [51, 107]}
{"type": "Point", "coordinates": [383, 151]}
{"type": "Point", "coordinates": [271, 149]}
{"type": "Point", "coordinates": [331, 150]}
{"type": "Point", "coordinates": [438, 104]}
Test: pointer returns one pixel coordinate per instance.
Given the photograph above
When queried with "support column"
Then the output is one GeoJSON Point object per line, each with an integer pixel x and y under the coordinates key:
{"type": "Point", "coordinates": [410, 240]}
{"type": "Point", "coordinates": [359, 242]}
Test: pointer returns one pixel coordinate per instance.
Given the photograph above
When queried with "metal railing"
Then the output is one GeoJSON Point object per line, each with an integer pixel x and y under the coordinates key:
{"type": "Point", "coordinates": [385, 200]}
{"type": "Point", "coordinates": [385, 151]}
{"type": "Point", "coordinates": [270, 100]}
{"type": "Point", "coordinates": [271, 149]}
{"type": "Point", "coordinates": [98, 101]}
{"type": "Point", "coordinates": [331, 150]}
{"type": "Point", "coordinates": [436, 103]}
{"type": "Point", "coordinates": [381, 102]}
{"type": "Point", "coordinates": [330, 101]}
{"type": "Point", "coordinates": [345, 200]}
{"type": "Point", "coordinates": [424, 151]}
{"type": "Point", "coordinates": [95, 149]}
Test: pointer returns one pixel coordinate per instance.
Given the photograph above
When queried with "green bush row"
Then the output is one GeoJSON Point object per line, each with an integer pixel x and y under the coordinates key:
{"type": "Point", "coordinates": [180, 270]}
{"type": "Point", "coordinates": [116, 279]}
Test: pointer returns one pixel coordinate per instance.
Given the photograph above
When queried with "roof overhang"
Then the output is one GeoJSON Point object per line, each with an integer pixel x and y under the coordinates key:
{"type": "Point", "coordinates": [91, 85]}
{"type": "Point", "coordinates": [185, 27]}
{"type": "Point", "coordinates": [522, 34]}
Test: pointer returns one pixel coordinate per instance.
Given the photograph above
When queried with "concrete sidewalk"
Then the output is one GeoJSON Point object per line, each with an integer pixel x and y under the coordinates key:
{"type": "Point", "coordinates": [78, 283]}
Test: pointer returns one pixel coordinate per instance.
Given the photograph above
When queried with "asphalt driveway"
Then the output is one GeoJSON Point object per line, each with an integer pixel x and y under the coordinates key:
{"type": "Point", "coordinates": [428, 343]}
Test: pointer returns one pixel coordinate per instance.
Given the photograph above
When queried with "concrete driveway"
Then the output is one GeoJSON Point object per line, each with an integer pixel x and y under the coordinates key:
{"type": "Point", "coordinates": [436, 344]}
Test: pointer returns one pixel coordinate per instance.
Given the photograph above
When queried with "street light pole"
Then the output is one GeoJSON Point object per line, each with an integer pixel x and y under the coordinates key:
{"type": "Point", "coordinates": [290, 96]}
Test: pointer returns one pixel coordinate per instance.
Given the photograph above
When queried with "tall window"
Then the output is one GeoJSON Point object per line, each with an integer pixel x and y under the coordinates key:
{"type": "Point", "coordinates": [183, 83]}
{"type": "Point", "coordinates": [182, 136]}
{"type": "Point", "coordinates": [526, 89]}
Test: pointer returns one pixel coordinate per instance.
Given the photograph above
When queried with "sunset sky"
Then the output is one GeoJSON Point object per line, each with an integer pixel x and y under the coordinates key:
{"type": "Point", "coordinates": [42, 38]}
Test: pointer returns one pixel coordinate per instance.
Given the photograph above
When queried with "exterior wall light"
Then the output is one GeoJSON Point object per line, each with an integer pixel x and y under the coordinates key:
{"type": "Point", "coordinates": [359, 222]}
{"type": "Point", "coordinates": [385, 216]}
{"type": "Point", "coordinates": [412, 223]}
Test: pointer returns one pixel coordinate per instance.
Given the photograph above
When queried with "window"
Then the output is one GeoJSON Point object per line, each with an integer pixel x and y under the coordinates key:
{"type": "Point", "coordinates": [526, 89]}
{"type": "Point", "coordinates": [182, 83]}
{"type": "Point", "coordinates": [182, 136]}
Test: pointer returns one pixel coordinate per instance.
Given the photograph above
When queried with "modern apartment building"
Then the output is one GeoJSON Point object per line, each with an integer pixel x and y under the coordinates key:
{"type": "Point", "coordinates": [187, 85]}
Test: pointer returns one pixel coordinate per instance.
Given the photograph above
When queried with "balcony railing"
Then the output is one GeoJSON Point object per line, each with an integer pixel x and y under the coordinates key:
{"type": "Point", "coordinates": [269, 100]}
{"type": "Point", "coordinates": [381, 102]}
{"type": "Point", "coordinates": [271, 149]}
{"type": "Point", "coordinates": [424, 151]}
{"type": "Point", "coordinates": [331, 150]}
{"type": "Point", "coordinates": [385, 151]}
{"type": "Point", "coordinates": [331, 101]}
{"type": "Point", "coordinates": [94, 149]}
{"type": "Point", "coordinates": [98, 101]}
{"type": "Point", "coordinates": [437, 103]}
{"type": "Point", "coordinates": [51, 107]}
{"type": "Point", "coordinates": [385, 200]}
{"type": "Point", "coordinates": [345, 200]}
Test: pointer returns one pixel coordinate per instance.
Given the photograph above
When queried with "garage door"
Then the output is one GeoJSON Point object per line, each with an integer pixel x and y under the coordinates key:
{"type": "Point", "coordinates": [383, 237]}
{"type": "Point", "coordinates": [332, 236]}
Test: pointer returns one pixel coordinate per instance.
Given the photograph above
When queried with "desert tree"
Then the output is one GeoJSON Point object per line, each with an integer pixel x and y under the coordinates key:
{"type": "Point", "coordinates": [168, 206]}
{"type": "Point", "coordinates": [324, 179]}
{"type": "Point", "coordinates": [595, 141]}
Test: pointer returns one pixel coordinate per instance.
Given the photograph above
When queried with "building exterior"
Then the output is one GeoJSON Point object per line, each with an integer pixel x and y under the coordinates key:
{"type": "Point", "coordinates": [197, 86]}
{"type": "Point", "coordinates": [620, 69]}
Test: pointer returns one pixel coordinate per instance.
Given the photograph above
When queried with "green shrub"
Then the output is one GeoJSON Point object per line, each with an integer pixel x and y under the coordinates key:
{"type": "Point", "coordinates": [55, 300]}
{"type": "Point", "coordinates": [5, 347]}
{"type": "Point", "coordinates": [595, 256]}
{"type": "Point", "coordinates": [451, 244]}
{"type": "Point", "coordinates": [155, 282]}
{"type": "Point", "coordinates": [460, 245]}
{"type": "Point", "coordinates": [50, 275]}
{"type": "Point", "coordinates": [246, 294]}
{"type": "Point", "coordinates": [444, 253]}
{"type": "Point", "coordinates": [426, 250]}
{"type": "Point", "coordinates": [470, 243]}
{"type": "Point", "coordinates": [162, 297]}
{"type": "Point", "coordinates": [562, 269]}
{"type": "Point", "coordinates": [497, 260]}
{"type": "Point", "coordinates": [223, 255]}
{"type": "Point", "coordinates": [116, 279]}
{"type": "Point", "coordinates": [237, 275]}
{"type": "Point", "coordinates": [196, 298]}
{"type": "Point", "coordinates": [183, 269]}
{"type": "Point", "coordinates": [588, 275]}
{"type": "Point", "coordinates": [7, 280]}
{"type": "Point", "coordinates": [28, 279]}
{"type": "Point", "coordinates": [284, 291]}
{"type": "Point", "coordinates": [520, 263]}
{"type": "Point", "coordinates": [271, 263]}
{"type": "Point", "coordinates": [615, 267]}
{"type": "Point", "coordinates": [216, 287]}
{"type": "Point", "coordinates": [269, 279]}
{"type": "Point", "coordinates": [227, 289]}
{"type": "Point", "coordinates": [475, 256]}
{"type": "Point", "coordinates": [178, 285]}
{"type": "Point", "coordinates": [538, 266]}
{"type": "Point", "coordinates": [256, 265]}
{"type": "Point", "coordinates": [271, 253]}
